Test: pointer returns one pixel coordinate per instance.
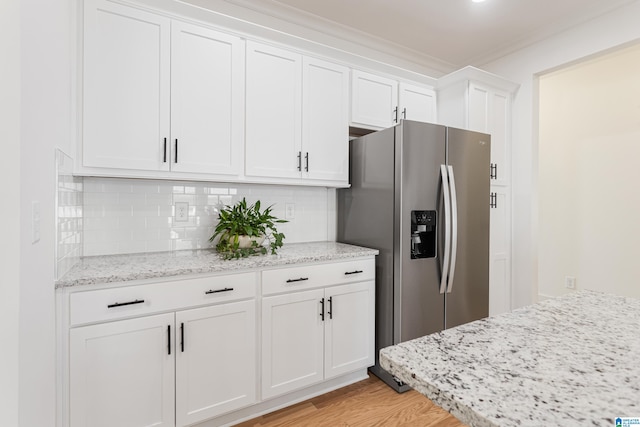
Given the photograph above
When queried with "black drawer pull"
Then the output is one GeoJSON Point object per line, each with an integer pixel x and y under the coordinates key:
{"type": "Point", "coordinates": [120, 304]}
{"type": "Point", "coordinates": [352, 272]}
{"type": "Point", "coordinates": [211, 291]}
{"type": "Point", "coordinates": [302, 279]}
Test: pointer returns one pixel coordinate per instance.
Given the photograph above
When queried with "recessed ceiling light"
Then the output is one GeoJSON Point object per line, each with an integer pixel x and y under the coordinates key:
{"type": "Point", "coordinates": [478, 1]}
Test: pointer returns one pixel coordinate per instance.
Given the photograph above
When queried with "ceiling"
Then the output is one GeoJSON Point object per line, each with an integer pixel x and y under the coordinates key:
{"type": "Point", "coordinates": [453, 33]}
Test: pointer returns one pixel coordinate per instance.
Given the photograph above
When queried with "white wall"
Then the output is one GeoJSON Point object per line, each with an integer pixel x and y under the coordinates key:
{"type": "Point", "coordinates": [610, 30]}
{"type": "Point", "coordinates": [45, 123]}
{"type": "Point", "coordinates": [10, 196]}
{"type": "Point", "coordinates": [589, 148]}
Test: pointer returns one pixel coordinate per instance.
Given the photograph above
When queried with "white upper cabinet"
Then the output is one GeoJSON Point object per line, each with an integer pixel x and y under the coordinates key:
{"type": "Point", "coordinates": [126, 87]}
{"type": "Point", "coordinates": [417, 103]}
{"type": "Point", "coordinates": [273, 112]}
{"type": "Point", "coordinates": [475, 100]}
{"type": "Point", "coordinates": [379, 102]}
{"type": "Point", "coordinates": [490, 112]}
{"type": "Point", "coordinates": [160, 94]}
{"type": "Point", "coordinates": [207, 94]}
{"type": "Point", "coordinates": [296, 116]}
{"type": "Point", "coordinates": [325, 120]}
{"type": "Point", "coordinates": [374, 100]}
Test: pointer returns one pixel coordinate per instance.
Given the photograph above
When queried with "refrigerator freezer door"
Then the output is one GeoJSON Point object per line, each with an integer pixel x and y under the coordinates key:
{"type": "Point", "coordinates": [468, 154]}
{"type": "Point", "coordinates": [418, 304]}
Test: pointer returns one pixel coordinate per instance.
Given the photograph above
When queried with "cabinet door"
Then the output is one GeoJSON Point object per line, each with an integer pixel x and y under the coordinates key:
{"type": "Point", "coordinates": [417, 103]}
{"type": "Point", "coordinates": [349, 323]}
{"type": "Point", "coordinates": [273, 112]}
{"type": "Point", "coordinates": [215, 360]}
{"type": "Point", "coordinates": [374, 100]}
{"type": "Point", "coordinates": [478, 114]}
{"type": "Point", "coordinates": [325, 120]}
{"type": "Point", "coordinates": [500, 119]}
{"type": "Point", "coordinates": [500, 253]}
{"type": "Point", "coordinates": [122, 373]}
{"type": "Point", "coordinates": [490, 112]}
{"type": "Point", "coordinates": [125, 87]}
{"type": "Point", "coordinates": [292, 342]}
{"type": "Point", "coordinates": [207, 100]}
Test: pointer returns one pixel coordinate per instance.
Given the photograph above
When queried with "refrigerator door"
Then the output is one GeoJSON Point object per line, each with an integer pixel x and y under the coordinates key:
{"type": "Point", "coordinates": [418, 304]}
{"type": "Point", "coordinates": [468, 155]}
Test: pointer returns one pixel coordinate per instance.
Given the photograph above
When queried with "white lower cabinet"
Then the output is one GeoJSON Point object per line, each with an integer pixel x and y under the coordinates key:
{"type": "Point", "coordinates": [215, 360]}
{"type": "Point", "coordinates": [185, 352]}
{"type": "Point", "coordinates": [292, 342]}
{"type": "Point", "coordinates": [314, 335]}
{"type": "Point", "coordinates": [348, 333]}
{"type": "Point", "coordinates": [500, 252]}
{"type": "Point", "coordinates": [122, 373]}
{"type": "Point", "coordinates": [177, 368]}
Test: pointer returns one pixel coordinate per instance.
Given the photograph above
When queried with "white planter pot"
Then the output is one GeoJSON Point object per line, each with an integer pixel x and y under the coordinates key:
{"type": "Point", "coordinates": [245, 241]}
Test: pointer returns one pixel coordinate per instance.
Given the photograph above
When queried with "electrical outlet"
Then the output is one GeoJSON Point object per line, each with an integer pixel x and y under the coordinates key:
{"type": "Point", "coordinates": [181, 211]}
{"type": "Point", "coordinates": [289, 211]}
{"type": "Point", "coordinates": [570, 282]}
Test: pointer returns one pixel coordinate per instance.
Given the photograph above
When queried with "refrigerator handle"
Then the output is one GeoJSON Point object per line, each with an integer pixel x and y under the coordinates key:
{"type": "Point", "coordinates": [447, 228]}
{"type": "Point", "coordinates": [454, 228]}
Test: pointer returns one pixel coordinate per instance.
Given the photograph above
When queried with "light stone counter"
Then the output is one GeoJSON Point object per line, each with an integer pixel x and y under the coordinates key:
{"type": "Point", "coordinates": [122, 268]}
{"type": "Point", "coordinates": [569, 361]}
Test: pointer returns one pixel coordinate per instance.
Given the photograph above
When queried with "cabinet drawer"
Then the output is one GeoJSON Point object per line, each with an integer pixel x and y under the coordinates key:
{"type": "Point", "coordinates": [312, 276]}
{"type": "Point", "coordinates": [136, 300]}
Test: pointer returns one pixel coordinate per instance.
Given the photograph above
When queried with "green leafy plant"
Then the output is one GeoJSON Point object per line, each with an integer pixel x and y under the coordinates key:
{"type": "Point", "coordinates": [240, 220]}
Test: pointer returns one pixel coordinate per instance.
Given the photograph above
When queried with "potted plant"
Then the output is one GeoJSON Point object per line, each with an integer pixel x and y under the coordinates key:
{"type": "Point", "coordinates": [243, 228]}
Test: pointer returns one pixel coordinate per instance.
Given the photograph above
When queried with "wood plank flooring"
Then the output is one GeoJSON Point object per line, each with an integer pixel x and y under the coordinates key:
{"type": "Point", "coordinates": [364, 404]}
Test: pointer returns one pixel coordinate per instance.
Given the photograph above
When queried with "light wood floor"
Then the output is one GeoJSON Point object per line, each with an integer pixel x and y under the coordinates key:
{"type": "Point", "coordinates": [363, 404]}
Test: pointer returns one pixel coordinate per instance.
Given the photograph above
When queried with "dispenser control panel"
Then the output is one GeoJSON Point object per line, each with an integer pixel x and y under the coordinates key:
{"type": "Point", "coordinates": [423, 234]}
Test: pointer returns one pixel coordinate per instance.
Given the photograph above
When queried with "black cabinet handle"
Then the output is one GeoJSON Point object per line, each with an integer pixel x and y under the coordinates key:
{"type": "Point", "coordinates": [306, 159]}
{"type": "Point", "coordinates": [322, 309]}
{"type": "Point", "coordinates": [211, 291]}
{"type": "Point", "coordinates": [169, 339]}
{"type": "Point", "coordinates": [182, 337]}
{"type": "Point", "coordinates": [330, 308]}
{"type": "Point", "coordinates": [493, 200]}
{"type": "Point", "coordinates": [302, 279]}
{"type": "Point", "coordinates": [300, 161]}
{"type": "Point", "coordinates": [164, 156]}
{"type": "Point", "coordinates": [352, 272]}
{"type": "Point", "coordinates": [395, 115]}
{"type": "Point", "coordinates": [404, 113]}
{"type": "Point", "coordinates": [120, 304]}
{"type": "Point", "coordinates": [176, 157]}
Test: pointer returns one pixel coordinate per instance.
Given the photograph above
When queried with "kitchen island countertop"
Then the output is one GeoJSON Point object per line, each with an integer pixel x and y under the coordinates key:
{"type": "Point", "coordinates": [571, 360]}
{"type": "Point", "coordinates": [122, 268]}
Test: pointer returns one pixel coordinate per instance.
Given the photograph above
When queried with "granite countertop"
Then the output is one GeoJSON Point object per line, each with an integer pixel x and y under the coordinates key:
{"type": "Point", "coordinates": [572, 360]}
{"type": "Point", "coordinates": [121, 268]}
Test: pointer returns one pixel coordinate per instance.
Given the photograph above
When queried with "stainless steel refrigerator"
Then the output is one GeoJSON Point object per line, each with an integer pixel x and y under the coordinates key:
{"type": "Point", "coordinates": [420, 195]}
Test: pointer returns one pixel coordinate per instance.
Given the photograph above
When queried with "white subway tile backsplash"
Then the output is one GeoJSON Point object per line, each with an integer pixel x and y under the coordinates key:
{"type": "Point", "coordinates": [130, 215]}
{"type": "Point", "coordinates": [69, 212]}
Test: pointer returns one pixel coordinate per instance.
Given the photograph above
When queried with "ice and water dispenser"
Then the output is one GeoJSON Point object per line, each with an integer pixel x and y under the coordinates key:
{"type": "Point", "coordinates": [423, 234]}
